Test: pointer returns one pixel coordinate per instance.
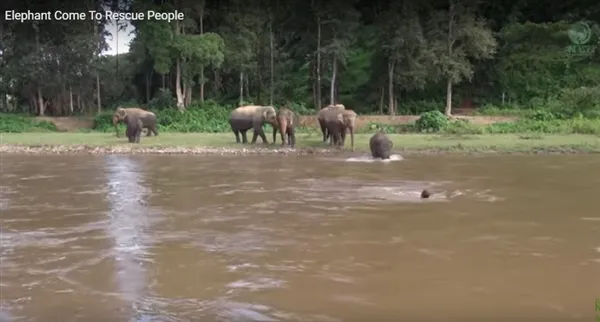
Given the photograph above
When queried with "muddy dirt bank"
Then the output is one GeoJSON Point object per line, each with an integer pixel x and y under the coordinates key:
{"type": "Point", "coordinates": [124, 149]}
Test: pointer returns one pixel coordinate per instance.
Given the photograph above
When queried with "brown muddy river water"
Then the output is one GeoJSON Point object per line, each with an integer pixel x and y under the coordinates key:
{"type": "Point", "coordinates": [284, 238]}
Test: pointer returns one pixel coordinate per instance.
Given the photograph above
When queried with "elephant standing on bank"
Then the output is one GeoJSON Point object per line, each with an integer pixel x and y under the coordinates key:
{"type": "Point", "coordinates": [286, 122]}
{"type": "Point", "coordinates": [147, 118]}
{"type": "Point", "coordinates": [134, 128]}
{"type": "Point", "coordinates": [380, 146]}
{"type": "Point", "coordinates": [253, 117]}
{"type": "Point", "coordinates": [337, 123]}
{"type": "Point", "coordinates": [323, 114]}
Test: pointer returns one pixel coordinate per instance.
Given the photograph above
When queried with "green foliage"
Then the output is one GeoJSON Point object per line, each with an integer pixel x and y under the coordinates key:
{"type": "Point", "coordinates": [207, 118]}
{"type": "Point", "coordinates": [418, 107]}
{"type": "Point", "coordinates": [17, 123]}
{"type": "Point", "coordinates": [502, 110]}
{"type": "Point", "coordinates": [373, 127]}
{"type": "Point", "coordinates": [163, 100]}
{"type": "Point", "coordinates": [582, 101]}
{"type": "Point", "coordinates": [529, 127]}
{"type": "Point", "coordinates": [432, 121]}
{"type": "Point", "coordinates": [262, 48]}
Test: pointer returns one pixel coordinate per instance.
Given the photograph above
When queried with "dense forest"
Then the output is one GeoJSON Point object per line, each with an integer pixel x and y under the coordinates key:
{"type": "Point", "coordinates": [400, 57]}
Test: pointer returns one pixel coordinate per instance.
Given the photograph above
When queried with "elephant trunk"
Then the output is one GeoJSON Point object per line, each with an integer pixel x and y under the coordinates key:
{"type": "Point", "coordinates": [116, 124]}
{"type": "Point", "coordinates": [282, 129]}
{"type": "Point", "coordinates": [352, 139]}
{"type": "Point", "coordinates": [274, 134]}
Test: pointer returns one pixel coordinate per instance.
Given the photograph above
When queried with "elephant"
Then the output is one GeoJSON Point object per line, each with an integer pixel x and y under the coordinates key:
{"type": "Point", "coordinates": [286, 122]}
{"type": "Point", "coordinates": [337, 123]}
{"type": "Point", "coordinates": [322, 115]}
{"type": "Point", "coordinates": [254, 117]}
{"type": "Point", "coordinates": [148, 118]}
{"type": "Point", "coordinates": [380, 145]}
{"type": "Point", "coordinates": [134, 128]}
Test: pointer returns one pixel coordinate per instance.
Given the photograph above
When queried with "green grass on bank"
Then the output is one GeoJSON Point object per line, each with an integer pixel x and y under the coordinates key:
{"type": "Point", "coordinates": [402, 142]}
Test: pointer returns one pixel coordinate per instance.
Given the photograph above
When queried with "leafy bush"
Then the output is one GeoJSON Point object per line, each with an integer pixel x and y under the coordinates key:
{"type": "Point", "coordinates": [432, 121]}
{"type": "Point", "coordinates": [209, 118]}
{"type": "Point", "coordinates": [582, 101]}
{"type": "Point", "coordinates": [501, 110]}
{"type": "Point", "coordinates": [418, 107]}
{"type": "Point", "coordinates": [462, 126]}
{"type": "Point", "coordinates": [162, 100]}
{"type": "Point", "coordinates": [373, 127]}
{"type": "Point", "coordinates": [541, 115]}
{"type": "Point", "coordinates": [17, 123]}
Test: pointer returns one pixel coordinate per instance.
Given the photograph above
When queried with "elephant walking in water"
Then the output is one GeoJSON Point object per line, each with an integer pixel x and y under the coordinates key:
{"type": "Point", "coordinates": [337, 122]}
{"type": "Point", "coordinates": [380, 146]}
{"type": "Point", "coordinates": [322, 116]}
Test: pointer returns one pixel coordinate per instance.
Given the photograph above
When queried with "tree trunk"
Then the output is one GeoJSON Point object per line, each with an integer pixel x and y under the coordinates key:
{"type": "Point", "coordinates": [272, 62]}
{"type": "Point", "coordinates": [99, 99]}
{"type": "Point", "coordinates": [71, 107]}
{"type": "Point", "coordinates": [241, 88]}
{"type": "Point", "coordinates": [40, 98]}
{"type": "Point", "coordinates": [450, 43]}
{"type": "Point", "coordinates": [117, 49]}
{"type": "Point", "coordinates": [41, 105]}
{"type": "Point", "coordinates": [178, 76]}
{"type": "Point", "coordinates": [202, 68]}
{"type": "Point", "coordinates": [178, 91]}
{"type": "Point", "coordinates": [449, 97]}
{"type": "Point", "coordinates": [216, 82]}
{"type": "Point", "coordinates": [391, 106]}
{"type": "Point", "coordinates": [247, 84]}
{"type": "Point", "coordinates": [381, 99]}
{"type": "Point", "coordinates": [319, 105]}
{"type": "Point", "coordinates": [148, 84]}
{"type": "Point", "coordinates": [333, 76]}
{"type": "Point", "coordinates": [164, 81]}
{"type": "Point", "coordinates": [79, 101]}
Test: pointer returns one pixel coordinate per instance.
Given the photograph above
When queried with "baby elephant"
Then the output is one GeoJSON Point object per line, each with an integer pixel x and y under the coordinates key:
{"type": "Point", "coordinates": [286, 123]}
{"type": "Point", "coordinates": [134, 128]}
{"type": "Point", "coordinates": [380, 145]}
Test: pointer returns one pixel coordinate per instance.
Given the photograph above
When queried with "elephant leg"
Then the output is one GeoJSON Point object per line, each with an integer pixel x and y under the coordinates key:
{"type": "Point", "coordinates": [237, 135]}
{"type": "Point", "coordinates": [352, 138]}
{"type": "Point", "coordinates": [262, 135]}
{"type": "Point", "coordinates": [323, 130]}
{"type": "Point", "coordinates": [148, 131]}
{"type": "Point", "coordinates": [292, 137]}
{"type": "Point", "coordinates": [244, 136]}
{"type": "Point", "coordinates": [275, 134]}
{"type": "Point", "coordinates": [332, 138]}
{"type": "Point", "coordinates": [340, 140]}
{"type": "Point", "coordinates": [284, 136]}
{"type": "Point", "coordinates": [343, 137]}
{"type": "Point", "coordinates": [154, 130]}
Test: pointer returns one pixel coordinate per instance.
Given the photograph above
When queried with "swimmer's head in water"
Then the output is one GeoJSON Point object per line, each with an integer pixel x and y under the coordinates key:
{"type": "Point", "coordinates": [425, 194]}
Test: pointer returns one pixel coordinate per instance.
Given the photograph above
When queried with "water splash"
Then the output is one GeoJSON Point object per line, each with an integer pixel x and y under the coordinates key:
{"type": "Point", "coordinates": [370, 159]}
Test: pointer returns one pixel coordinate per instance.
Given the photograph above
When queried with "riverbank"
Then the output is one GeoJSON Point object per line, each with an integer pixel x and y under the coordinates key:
{"type": "Point", "coordinates": [224, 143]}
